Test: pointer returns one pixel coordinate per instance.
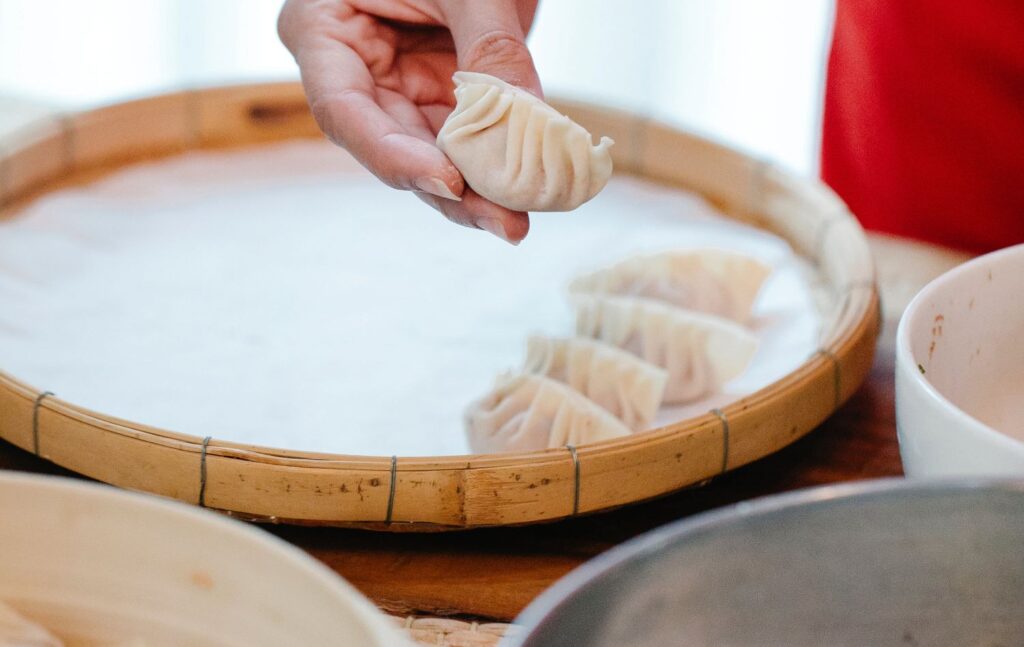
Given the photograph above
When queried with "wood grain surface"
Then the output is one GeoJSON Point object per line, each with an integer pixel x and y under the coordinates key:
{"type": "Point", "coordinates": [494, 573]}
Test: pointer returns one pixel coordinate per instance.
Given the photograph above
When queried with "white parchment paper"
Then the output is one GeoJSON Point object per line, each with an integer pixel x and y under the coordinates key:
{"type": "Point", "coordinates": [281, 296]}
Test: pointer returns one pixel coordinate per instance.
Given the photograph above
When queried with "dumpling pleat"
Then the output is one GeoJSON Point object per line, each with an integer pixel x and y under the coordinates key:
{"type": "Point", "coordinates": [559, 178]}
{"type": "Point", "coordinates": [581, 163]}
{"type": "Point", "coordinates": [530, 179]}
{"type": "Point", "coordinates": [483, 112]}
{"type": "Point", "coordinates": [532, 412]}
{"type": "Point", "coordinates": [515, 141]}
{"type": "Point", "coordinates": [718, 282]}
{"type": "Point", "coordinates": [626, 386]}
{"type": "Point", "coordinates": [701, 352]}
{"type": "Point", "coordinates": [519, 152]}
{"type": "Point", "coordinates": [600, 166]}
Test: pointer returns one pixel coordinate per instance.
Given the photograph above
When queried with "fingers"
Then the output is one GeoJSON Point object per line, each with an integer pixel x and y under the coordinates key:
{"type": "Point", "coordinates": [527, 12]}
{"type": "Point", "coordinates": [406, 113]}
{"type": "Point", "coordinates": [473, 210]}
{"type": "Point", "coordinates": [489, 38]}
{"type": "Point", "coordinates": [352, 118]}
{"type": "Point", "coordinates": [344, 101]}
{"type": "Point", "coordinates": [476, 212]}
{"type": "Point", "coordinates": [436, 114]}
{"type": "Point", "coordinates": [387, 132]}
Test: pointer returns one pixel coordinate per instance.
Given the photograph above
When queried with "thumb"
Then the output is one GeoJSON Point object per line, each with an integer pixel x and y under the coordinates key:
{"type": "Point", "coordinates": [489, 38]}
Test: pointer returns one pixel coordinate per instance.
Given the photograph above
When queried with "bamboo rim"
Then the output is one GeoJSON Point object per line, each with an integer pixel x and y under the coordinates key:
{"type": "Point", "coordinates": [451, 492]}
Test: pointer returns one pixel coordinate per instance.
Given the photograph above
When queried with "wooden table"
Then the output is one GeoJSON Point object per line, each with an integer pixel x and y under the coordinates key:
{"type": "Point", "coordinates": [494, 573]}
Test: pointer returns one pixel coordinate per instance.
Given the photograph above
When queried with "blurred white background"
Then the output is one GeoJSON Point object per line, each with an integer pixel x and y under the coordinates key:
{"type": "Point", "coordinates": [747, 72]}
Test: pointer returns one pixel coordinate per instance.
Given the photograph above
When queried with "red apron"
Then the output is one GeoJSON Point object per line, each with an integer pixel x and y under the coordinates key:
{"type": "Point", "coordinates": [924, 118]}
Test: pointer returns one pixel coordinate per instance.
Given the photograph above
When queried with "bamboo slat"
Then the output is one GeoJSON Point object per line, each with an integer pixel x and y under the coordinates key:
{"type": "Point", "coordinates": [441, 493]}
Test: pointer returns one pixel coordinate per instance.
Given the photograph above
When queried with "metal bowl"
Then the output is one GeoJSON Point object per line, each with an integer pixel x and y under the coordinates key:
{"type": "Point", "coordinates": [878, 563]}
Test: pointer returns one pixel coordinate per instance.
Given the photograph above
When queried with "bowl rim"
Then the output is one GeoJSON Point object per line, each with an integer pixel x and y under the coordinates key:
{"type": "Point", "coordinates": [541, 610]}
{"type": "Point", "coordinates": [907, 364]}
{"type": "Point", "coordinates": [241, 534]}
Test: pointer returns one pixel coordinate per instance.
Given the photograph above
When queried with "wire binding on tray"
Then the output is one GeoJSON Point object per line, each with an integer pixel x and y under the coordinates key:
{"type": "Point", "coordinates": [576, 479]}
{"type": "Point", "coordinates": [725, 438]}
{"type": "Point", "coordinates": [35, 420]}
{"type": "Point", "coordinates": [391, 490]}
{"type": "Point", "coordinates": [836, 373]}
{"type": "Point", "coordinates": [202, 472]}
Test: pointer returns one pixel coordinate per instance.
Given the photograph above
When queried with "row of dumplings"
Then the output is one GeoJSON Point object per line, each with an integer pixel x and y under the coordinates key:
{"type": "Point", "coordinates": [662, 329]}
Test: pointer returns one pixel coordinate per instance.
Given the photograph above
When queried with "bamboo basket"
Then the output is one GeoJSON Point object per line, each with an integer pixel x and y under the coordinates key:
{"type": "Point", "coordinates": [441, 493]}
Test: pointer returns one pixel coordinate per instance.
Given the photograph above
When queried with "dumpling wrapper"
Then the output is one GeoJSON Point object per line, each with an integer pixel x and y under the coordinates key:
{"type": "Point", "coordinates": [531, 412]}
{"type": "Point", "coordinates": [714, 281]}
{"type": "Point", "coordinates": [519, 152]}
{"type": "Point", "coordinates": [618, 381]}
{"type": "Point", "coordinates": [18, 631]}
{"type": "Point", "coordinates": [701, 352]}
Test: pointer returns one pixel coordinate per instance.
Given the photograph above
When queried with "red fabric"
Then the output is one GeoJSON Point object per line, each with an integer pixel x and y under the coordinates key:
{"type": "Point", "coordinates": [924, 118]}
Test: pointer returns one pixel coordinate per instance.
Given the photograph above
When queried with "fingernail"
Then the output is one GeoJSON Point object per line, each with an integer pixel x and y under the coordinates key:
{"type": "Point", "coordinates": [494, 226]}
{"type": "Point", "coordinates": [434, 186]}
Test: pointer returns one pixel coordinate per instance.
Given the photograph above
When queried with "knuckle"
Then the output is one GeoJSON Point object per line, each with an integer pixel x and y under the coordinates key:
{"type": "Point", "coordinates": [338, 116]}
{"type": "Point", "coordinates": [497, 48]}
{"type": "Point", "coordinates": [335, 113]}
{"type": "Point", "coordinates": [286, 24]}
{"type": "Point", "coordinates": [323, 113]}
{"type": "Point", "coordinates": [301, 19]}
{"type": "Point", "coordinates": [386, 164]}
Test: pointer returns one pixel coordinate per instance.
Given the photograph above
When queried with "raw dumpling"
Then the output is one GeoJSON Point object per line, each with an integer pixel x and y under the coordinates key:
{"type": "Point", "coordinates": [18, 631]}
{"type": "Point", "coordinates": [700, 351]}
{"type": "Point", "coordinates": [519, 152]}
{"type": "Point", "coordinates": [709, 280]}
{"type": "Point", "coordinates": [530, 412]}
{"type": "Point", "coordinates": [619, 382]}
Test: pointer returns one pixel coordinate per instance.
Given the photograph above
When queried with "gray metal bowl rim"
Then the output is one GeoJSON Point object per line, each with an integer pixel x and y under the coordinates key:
{"type": "Point", "coordinates": [563, 590]}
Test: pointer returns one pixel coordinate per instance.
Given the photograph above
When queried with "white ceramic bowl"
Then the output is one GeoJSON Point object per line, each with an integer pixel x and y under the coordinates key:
{"type": "Point", "coordinates": [99, 566]}
{"type": "Point", "coordinates": [960, 371]}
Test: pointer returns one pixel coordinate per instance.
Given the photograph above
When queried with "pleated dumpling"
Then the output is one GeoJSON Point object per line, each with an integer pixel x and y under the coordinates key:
{"type": "Point", "coordinates": [519, 152]}
{"type": "Point", "coordinates": [715, 281]}
{"type": "Point", "coordinates": [619, 382]}
{"type": "Point", "coordinates": [530, 412]}
{"type": "Point", "coordinates": [701, 352]}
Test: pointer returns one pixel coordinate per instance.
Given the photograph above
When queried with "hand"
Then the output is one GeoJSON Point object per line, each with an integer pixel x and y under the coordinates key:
{"type": "Point", "coordinates": [378, 77]}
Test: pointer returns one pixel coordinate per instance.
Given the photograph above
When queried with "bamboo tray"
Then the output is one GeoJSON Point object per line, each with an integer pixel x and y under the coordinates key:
{"type": "Point", "coordinates": [427, 493]}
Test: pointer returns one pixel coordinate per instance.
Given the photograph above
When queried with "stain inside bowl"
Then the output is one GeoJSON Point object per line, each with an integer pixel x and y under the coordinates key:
{"type": "Point", "coordinates": [967, 341]}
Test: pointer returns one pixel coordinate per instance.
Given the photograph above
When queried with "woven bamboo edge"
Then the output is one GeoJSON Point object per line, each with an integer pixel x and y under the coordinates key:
{"type": "Point", "coordinates": [452, 492]}
{"type": "Point", "coordinates": [449, 632]}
